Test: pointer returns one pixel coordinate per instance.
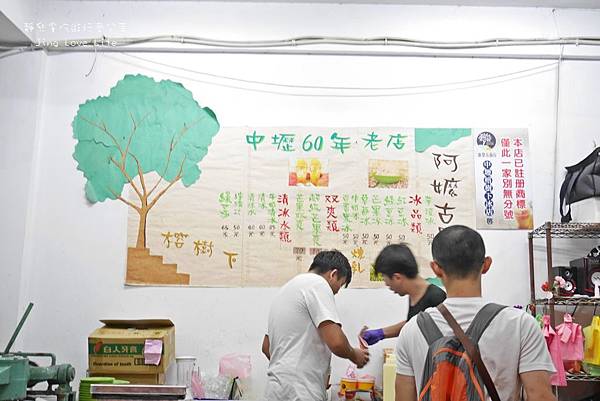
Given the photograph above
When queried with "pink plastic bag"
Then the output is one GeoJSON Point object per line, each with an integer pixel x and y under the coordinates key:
{"type": "Point", "coordinates": [571, 339]}
{"type": "Point", "coordinates": [235, 365]}
{"type": "Point", "coordinates": [351, 371]}
{"type": "Point", "coordinates": [553, 342]}
{"type": "Point", "coordinates": [197, 387]}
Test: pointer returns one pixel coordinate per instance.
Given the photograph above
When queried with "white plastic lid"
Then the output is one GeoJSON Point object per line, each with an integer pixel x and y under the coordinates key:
{"type": "Point", "coordinates": [185, 358]}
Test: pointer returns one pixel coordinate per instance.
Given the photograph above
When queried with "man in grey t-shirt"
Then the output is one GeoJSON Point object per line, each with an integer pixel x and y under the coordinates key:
{"type": "Point", "coordinates": [512, 347]}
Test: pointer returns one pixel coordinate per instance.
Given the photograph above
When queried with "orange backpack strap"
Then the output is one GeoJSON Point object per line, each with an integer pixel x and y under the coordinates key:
{"type": "Point", "coordinates": [472, 349]}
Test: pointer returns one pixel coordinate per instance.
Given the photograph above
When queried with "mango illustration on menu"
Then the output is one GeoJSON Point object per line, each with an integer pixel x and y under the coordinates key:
{"type": "Point", "coordinates": [308, 172]}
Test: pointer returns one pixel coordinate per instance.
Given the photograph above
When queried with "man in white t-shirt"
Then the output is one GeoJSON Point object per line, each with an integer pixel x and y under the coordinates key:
{"type": "Point", "coordinates": [304, 329]}
{"type": "Point", "coordinates": [512, 347]}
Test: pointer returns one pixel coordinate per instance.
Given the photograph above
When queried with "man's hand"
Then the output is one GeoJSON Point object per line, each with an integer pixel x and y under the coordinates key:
{"type": "Point", "coordinates": [336, 340]}
{"type": "Point", "coordinates": [360, 357]}
{"type": "Point", "coordinates": [265, 347]}
{"type": "Point", "coordinates": [372, 336]}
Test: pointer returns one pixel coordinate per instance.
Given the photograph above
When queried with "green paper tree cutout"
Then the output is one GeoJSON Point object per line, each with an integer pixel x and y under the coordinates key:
{"type": "Point", "coordinates": [143, 126]}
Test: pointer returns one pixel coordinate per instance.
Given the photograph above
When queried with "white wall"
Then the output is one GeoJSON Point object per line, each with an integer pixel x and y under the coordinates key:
{"type": "Point", "coordinates": [579, 135]}
{"type": "Point", "coordinates": [74, 260]}
{"type": "Point", "coordinates": [19, 103]}
{"type": "Point", "coordinates": [579, 97]}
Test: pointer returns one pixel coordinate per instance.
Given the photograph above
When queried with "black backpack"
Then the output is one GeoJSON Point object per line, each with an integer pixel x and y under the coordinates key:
{"type": "Point", "coordinates": [581, 182]}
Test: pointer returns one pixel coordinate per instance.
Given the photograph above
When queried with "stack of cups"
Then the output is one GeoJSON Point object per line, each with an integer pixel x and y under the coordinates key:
{"type": "Point", "coordinates": [185, 367]}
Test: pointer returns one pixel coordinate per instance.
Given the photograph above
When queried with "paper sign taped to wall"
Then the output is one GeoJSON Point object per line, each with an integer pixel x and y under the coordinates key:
{"type": "Point", "coordinates": [270, 198]}
{"type": "Point", "coordinates": [152, 352]}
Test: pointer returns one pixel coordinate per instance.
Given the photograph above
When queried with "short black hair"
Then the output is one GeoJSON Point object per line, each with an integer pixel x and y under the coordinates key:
{"type": "Point", "coordinates": [459, 250]}
{"type": "Point", "coordinates": [396, 258]}
{"type": "Point", "coordinates": [325, 261]}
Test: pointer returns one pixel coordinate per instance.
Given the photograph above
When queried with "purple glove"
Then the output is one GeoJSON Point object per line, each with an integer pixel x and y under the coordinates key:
{"type": "Point", "coordinates": [373, 336]}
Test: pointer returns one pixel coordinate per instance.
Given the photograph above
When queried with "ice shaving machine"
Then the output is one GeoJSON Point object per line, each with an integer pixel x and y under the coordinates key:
{"type": "Point", "coordinates": [19, 374]}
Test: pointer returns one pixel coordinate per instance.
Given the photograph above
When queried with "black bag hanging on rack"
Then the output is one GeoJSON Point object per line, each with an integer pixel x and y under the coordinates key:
{"type": "Point", "coordinates": [581, 182]}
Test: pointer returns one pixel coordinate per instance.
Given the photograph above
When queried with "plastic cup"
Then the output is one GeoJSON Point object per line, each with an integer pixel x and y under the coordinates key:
{"type": "Point", "coordinates": [348, 387]}
{"type": "Point", "coordinates": [185, 367]}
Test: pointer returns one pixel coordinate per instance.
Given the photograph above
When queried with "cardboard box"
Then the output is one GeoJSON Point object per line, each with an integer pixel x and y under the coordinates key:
{"type": "Point", "coordinates": [156, 378]}
{"type": "Point", "coordinates": [118, 347]}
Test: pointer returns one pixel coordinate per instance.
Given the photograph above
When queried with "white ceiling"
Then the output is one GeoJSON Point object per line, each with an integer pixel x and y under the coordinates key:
{"type": "Point", "coordinates": [589, 4]}
{"type": "Point", "coordinates": [9, 32]}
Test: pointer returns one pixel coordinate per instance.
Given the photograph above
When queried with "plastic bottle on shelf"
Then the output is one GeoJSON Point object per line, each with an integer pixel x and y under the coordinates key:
{"type": "Point", "coordinates": [389, 378]}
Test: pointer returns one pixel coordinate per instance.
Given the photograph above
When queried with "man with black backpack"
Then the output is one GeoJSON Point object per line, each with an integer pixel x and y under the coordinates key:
{"type": "Point", "coordinates": [466, 349]}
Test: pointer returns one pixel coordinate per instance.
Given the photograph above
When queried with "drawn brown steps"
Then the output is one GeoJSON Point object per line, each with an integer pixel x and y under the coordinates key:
{"type": "Point", "coordinates": [143, 268]}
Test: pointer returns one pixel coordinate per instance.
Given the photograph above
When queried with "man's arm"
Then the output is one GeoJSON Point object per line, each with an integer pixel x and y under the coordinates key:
{"type": "Point", "coordinates": [265, 347]}
{"type": "Point", "coordinates": [393, 330]}
{"type": "Point", "coordinates": [373, 336]}
{"type": "Point", "coordinates": [535, 363]}
{"type": "Point", "coordinates": [338, 343]}
{"type": "Point", "coordinates": [537, 385]}
{"type": "Point", "coordinates": [406, 389]}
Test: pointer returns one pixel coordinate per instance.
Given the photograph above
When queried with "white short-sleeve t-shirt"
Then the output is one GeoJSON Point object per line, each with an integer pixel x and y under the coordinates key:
{"type": "Point", "coordinates": [300, 360]}
{"type": "Point", "coordinates": [512, 344]}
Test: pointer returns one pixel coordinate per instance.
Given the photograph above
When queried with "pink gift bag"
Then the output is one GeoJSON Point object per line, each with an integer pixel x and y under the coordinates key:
{"type": "Point", "coordinates": [553, 343]}
{"type": "Point", "coordinates": [570, 339]}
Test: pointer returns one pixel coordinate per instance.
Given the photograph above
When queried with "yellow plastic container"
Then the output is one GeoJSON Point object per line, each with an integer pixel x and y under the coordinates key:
{"type": "Point", "coordinates": [366, 384]}
{"type": "Point", "coordinates": [348, 385]}
{"type": "Point", "coordinates": [389, 378]}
